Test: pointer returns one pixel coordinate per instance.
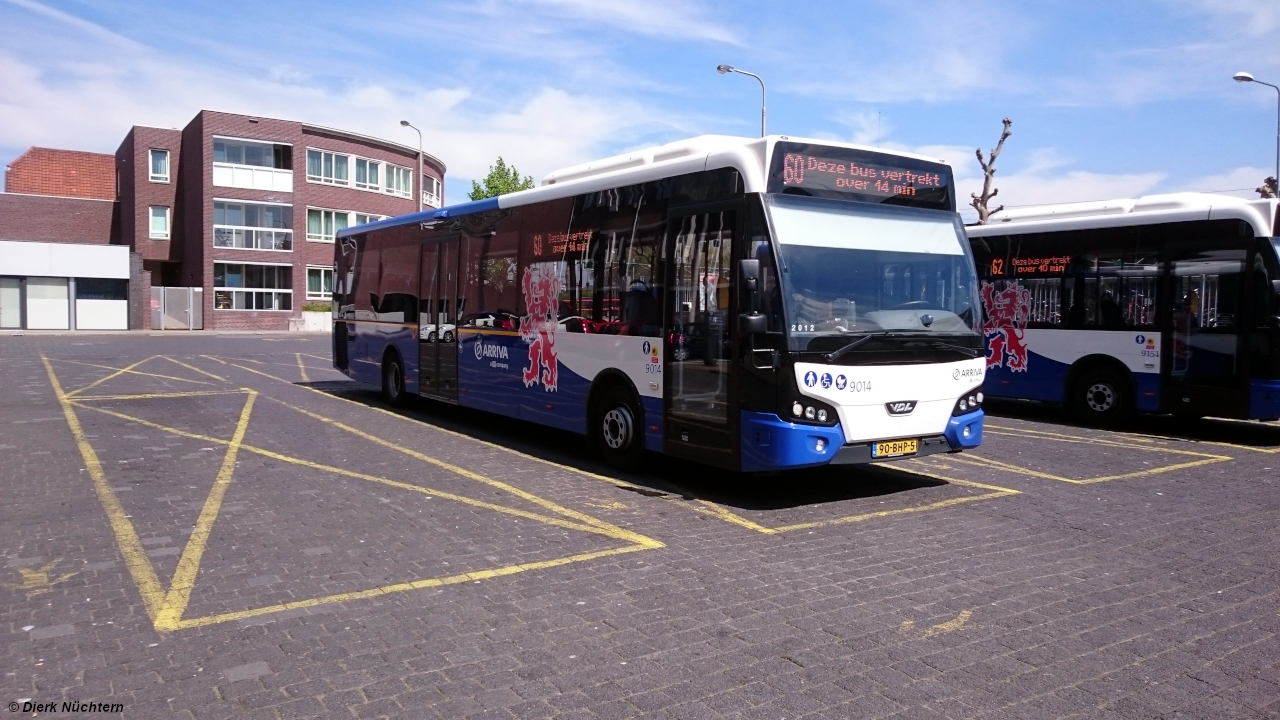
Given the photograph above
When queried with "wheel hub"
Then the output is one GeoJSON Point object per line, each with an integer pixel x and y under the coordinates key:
{"type": "Point", "coordinates": [617, 428]}
{"type": "Point", "coordinates": [1101, 397]}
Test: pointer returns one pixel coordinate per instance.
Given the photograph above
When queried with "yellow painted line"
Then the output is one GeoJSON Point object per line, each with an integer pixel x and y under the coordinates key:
{"type": "Point", "coordinates": [319, 357]}
{"type": "Point", "coordinates": [194, 368]}
{"type": "Point", "coordinates": [129, 370]}
{"type": "Point", "coordinates": [436, 428]}
{"type": "Point", "coordinates": [994, 491]}
{"type": "Point", "coordinates": [302, 368]}
{"type": "Point", "coordinates": [719, 511]}
{"type": "Point", "coordinates": [951, 625]}
{"type": "Point", "coordinates": [135, 557]}
{"type": "Point", "coordinates": [1057, 437]}
{"type": "Point", "coordinates": [615, 533]}
{"type": "Point", "coordinates": [210, 357]}
{"type": "Point", "coordinates": [184, 578]}
{"type": "Point", "coordinates": [406, 586]}
{"type": "Point", "coordinates": [99, 381]}
{"type": "Point", "coordinates": [1017, 469]}
{"type": "Point", "coordinates": [614, 530]}
{"type": "Point", "coordinates": [149, 396]}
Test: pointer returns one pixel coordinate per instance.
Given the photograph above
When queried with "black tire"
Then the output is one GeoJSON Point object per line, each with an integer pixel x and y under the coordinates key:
{"type": "Point", "coordinates": [618, 429]}
{"type": "Point", "coordinates": [393, 390]}
{"type": "Point", "coordinates": [1101, 396]}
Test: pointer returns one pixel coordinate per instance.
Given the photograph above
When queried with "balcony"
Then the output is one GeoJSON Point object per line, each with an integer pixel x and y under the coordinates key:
{"type": "Point", "coordinates": [250, 177]}
{"type": "Point", "coordinates": [225, 236]}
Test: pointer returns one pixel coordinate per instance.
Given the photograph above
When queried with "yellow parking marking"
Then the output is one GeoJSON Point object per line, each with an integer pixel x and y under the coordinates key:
{"type": "Point", "coordinates": [135, 558]}
{"type": "Point", "coordinates": [609, 531]}
{"type": "Point", "coordinates": [614, 530]}
{"type": "Point", "coordinates": [702, 506]}
{"type": "Point", "coordinates": [302, 369]}
{"type": "Point", "coordinates": [36, 581]}
{"type": "Point", "coordinates": [403, 587]}
{"type": "Point", "coordinates": [150, 396]}
{"type": "Point", "coordinates": [951, 625]}
{"type": "Point", "coordinates": [1017, 469]}
{"type": "Point", "coordinates": [184, 578]}
{"type": "Point", "coordinates": [166, 607]}
{"type": "Point", "coordinates": [993, 491]}
{"type": "Point", "coordinates": [121, 371]}
{"type": "Point", "coordinates": [194, 368]}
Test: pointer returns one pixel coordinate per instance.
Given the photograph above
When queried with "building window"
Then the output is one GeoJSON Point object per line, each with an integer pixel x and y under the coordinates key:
{"type": "Point", "coordinates": [253, 226]}
{"type": "Point", "coordinates": [159, 222]}
{"type": "Point", "coordinates": [319, 283]}
{"type": "Point", "coordinates": [327, 167]}
{"type": "Point", "coordinates": [322, 225]}
{"type": "Point", "coordinates": [255, 154]}
{"type": "Point", "coordinates": [399, 181]}
{"type": "Point", "coordinates": [431, 195]}
{"type": "Point", "coordinates": [245, 286]}
{"type": "Point", "coordinates": [367, 174]}
{"type": "Point", "coordinates": [160, 166]}
{"type": "Point", "coordinates": [252, 165]}
{"type": "Point", "coordinates": [361, 218]}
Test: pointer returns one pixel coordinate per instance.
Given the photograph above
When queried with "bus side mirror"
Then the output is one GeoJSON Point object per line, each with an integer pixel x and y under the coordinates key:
{"type": "Point", "coordinates": [753, 324]}
{"type": "Point", "coordinates": [749, 271]}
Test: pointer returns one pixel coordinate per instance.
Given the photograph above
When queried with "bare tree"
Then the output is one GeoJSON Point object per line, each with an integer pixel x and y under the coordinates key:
{"type": "Point", "coordinates": [1268, 189]}
{"type": "Point", "coordinates": [980, 202]}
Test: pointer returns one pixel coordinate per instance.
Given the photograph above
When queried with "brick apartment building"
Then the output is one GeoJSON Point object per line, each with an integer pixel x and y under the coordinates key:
{"type": "Point", "coordinates": [244, 208]}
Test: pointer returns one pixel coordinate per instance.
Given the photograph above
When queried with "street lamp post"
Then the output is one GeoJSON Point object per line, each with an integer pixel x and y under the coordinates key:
{"type": "Point", "coordinates": [722, 69]}
{"type": "Point", "coordinates": [1244, 77]}
{"type": "Point", "coordinates": [406, 123]}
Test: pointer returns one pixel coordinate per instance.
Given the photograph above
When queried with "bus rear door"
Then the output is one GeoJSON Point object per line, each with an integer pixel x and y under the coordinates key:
{"type": "Point", "coordinates": [437, 320]}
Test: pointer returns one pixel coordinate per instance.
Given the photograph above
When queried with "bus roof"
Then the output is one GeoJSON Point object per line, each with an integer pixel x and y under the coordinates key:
{"type": "Point", "coordinates": [1262, 215]}
{"type": "Point", "coordinates": [750, 156]}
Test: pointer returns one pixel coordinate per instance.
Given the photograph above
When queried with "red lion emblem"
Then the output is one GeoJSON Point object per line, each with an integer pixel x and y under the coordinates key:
{"type": "Point", "coordinates": [538, 328]}
{"type": "Point", "coordinates": [1007, 313]}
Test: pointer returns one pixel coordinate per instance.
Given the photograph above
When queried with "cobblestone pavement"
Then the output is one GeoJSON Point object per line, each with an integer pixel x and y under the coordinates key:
{"type": "Point", "coordinates": [215, 527]}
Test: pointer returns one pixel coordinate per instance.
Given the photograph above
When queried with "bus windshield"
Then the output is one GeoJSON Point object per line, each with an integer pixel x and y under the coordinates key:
{"type": "Point", "coordinates": [853, 269]}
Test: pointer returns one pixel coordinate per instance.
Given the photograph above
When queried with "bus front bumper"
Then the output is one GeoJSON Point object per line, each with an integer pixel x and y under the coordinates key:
{"type": "Point", "coordinates": [769, 443]}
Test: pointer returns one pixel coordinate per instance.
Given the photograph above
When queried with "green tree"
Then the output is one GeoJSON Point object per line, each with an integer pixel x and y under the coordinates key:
{"type": "Point", "coordinates": [500, 181]}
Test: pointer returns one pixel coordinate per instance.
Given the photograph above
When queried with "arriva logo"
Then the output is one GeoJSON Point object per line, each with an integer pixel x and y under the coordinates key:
{"type": "Point", "coordinates": [489, 351]}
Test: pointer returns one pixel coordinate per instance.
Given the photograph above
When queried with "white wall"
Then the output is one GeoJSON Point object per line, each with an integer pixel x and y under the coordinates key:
{"type": "Point", "coordinates": [102, 314]}
{"type": "Point", "coordinates": [64, 260]}
{"type": "Point", "coordinates": [48, 307]}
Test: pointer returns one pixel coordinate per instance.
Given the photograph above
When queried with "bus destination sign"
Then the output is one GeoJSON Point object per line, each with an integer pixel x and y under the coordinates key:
{"type": "Point", "coordinates": [862, 175]}
{"type": "Point", "coordinates": [852, 176]}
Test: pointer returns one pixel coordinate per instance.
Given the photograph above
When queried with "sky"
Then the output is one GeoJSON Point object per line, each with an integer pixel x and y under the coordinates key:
{"type": "Point", "coordinates": [1108, 99]}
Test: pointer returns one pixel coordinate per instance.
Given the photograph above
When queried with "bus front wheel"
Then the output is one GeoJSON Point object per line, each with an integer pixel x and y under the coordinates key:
{"type": "Point", "coordinates": [619, 429]}
{"type": "Point", "coordinates": [1101, 397]}
{"type": "Point", "coordinates": [393, 381]}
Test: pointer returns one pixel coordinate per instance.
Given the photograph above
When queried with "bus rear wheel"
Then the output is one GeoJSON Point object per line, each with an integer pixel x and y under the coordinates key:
{"type": "Point", "coordinates": [1101, 397]}
{"type": "Point", "coordinates": [393, 381]}
{"type": "Point", "coordinates": [618, 428]}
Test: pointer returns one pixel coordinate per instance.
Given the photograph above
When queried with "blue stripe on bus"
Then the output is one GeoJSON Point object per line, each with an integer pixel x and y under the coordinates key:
{"type": "Point", "coordinates": [770, 443]}
{"type": "Point", "coordinates": [1264, 399]}
{"type": "Point", "coordinates": [1046, 381]}
{"type": "Point", "coordinates": [466, 208]}
{"type": "Point", "coordinates": [491, 378]}
{"type": "Point", "coordinates": [956, 427]}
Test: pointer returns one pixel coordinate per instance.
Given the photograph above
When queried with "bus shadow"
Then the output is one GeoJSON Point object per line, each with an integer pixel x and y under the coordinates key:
{"type": "Point", "coordinates": [660, 475]}
{"type": "Point", "coordinates": [1247, 433]}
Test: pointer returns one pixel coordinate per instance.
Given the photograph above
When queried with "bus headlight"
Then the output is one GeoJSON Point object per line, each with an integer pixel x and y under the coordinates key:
{"type": "Point", "coordinates": [969, 402]}
{"type": "Point", "coordinates": [809, 413]}
{"type": "Point", "coordinates": [797, 409]}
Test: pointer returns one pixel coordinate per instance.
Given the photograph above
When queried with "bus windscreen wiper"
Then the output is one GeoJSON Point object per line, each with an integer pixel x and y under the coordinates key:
{"type": "Point", "coordinates": [942, 344]}
{"type": "Point", "coordinates": [837, 354]}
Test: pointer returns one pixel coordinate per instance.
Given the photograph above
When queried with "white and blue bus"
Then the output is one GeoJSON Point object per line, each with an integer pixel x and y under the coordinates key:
{"type": "Point", "coordinates": [753, 304]}
{"type": "Point", "coordinates": [1166, 303]}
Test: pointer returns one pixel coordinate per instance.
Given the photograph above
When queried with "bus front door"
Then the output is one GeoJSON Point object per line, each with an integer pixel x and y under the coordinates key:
{"type": "Point", "coordinates": [1203, 358]}
{"type": "Point", "coordinates": [699, 424]}
{"type": "Point", "coordinates": [437, 321]}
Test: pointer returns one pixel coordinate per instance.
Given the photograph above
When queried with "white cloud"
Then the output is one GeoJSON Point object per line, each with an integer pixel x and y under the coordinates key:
{"type": "Point", "coordinates": [663, 18]}
{"type": "Point", "coordinates": [92, 85]}
{"type": "Point", "coordinates": [1239, 182]}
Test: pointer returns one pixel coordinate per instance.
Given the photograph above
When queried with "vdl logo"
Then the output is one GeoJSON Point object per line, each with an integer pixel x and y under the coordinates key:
{"type": "Point", "coordinates": [810, 378]}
